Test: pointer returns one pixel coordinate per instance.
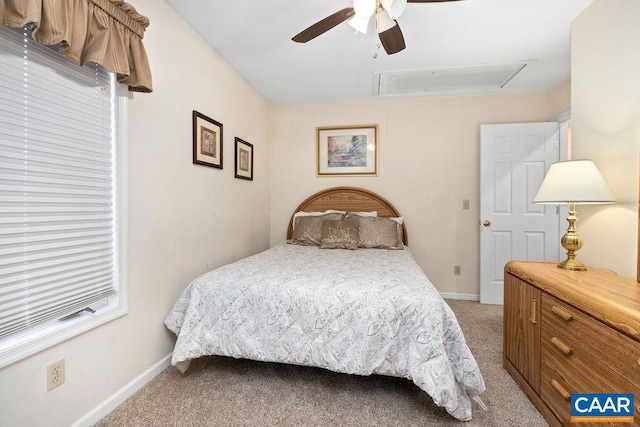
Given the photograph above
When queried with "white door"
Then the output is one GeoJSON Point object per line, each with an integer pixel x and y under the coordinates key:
{"type": "Point", "coordinates": [514, 159]}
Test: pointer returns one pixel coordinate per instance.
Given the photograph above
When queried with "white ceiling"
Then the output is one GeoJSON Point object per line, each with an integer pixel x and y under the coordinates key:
{"type": "Point", "coordinates": [254, 37]}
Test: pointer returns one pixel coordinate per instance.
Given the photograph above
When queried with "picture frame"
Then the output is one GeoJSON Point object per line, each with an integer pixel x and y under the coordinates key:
{"type": "Point", "coordinates": [347, 151]}
{"type": "Point", "coordinates": [244, 159]}
{"type": "Point", "coordinates": [207, 141]}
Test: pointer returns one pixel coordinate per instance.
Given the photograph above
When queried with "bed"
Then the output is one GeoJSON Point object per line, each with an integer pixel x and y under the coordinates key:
{"type": "Point", "coordinates": [364, 310]}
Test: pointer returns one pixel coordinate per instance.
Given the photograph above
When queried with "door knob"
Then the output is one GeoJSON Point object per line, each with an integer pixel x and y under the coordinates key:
{"type": "Point", "coordinates": [486, 223]}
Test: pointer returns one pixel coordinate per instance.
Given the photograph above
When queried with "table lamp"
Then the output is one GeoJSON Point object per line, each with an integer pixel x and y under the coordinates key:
{"type": "Point", "coordinates": [573, 182]}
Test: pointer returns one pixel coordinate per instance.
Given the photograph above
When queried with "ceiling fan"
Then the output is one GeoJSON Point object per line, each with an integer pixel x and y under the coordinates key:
{"type": "Point", "coordinates": [386, 12]}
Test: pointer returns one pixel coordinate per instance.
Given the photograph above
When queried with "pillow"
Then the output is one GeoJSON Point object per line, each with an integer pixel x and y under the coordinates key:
{"type": "Point", "coordinates": [303, 213]}
{"type": "Point", "coordinates": [381, 233]}
{"type": "Point", "coordinates": [357, 214]}
{"type": "Point", "coordinates": [308, 230]}
{"type": "Point", "coordinates": [339, 234]}
{"type": "Point", "coordinates": [399, 220]}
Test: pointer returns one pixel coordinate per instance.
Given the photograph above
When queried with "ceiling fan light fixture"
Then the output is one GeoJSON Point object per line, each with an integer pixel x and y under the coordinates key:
{"type": "Point", "coordinates": [384, 22]}
{"type": "Point", "coordinates": [394, 8]}
{"type": "Point", "coordinates": [365, 8]}
{"type": "Point", "coordinates": [359, 23]}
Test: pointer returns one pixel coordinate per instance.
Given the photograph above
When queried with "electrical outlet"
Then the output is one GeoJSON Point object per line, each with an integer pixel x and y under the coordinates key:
{"type": "Point", "coordinates": [55, 374]}
{"type": "Point", "coordinates": [456, 270]}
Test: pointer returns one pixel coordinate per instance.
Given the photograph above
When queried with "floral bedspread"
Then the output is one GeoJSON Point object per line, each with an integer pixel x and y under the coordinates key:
{"type": "Point", "coordinates": [364, 311]}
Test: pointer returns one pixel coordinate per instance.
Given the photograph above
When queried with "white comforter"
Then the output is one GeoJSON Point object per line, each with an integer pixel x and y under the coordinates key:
{"type": "Point", "coordinates": [359, 312]}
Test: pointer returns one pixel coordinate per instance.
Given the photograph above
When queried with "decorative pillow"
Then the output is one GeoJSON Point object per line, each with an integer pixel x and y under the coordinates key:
{"type": "Point", "coordinates": [340, 234]}
{"type": "Point", "coordinates": [299, 214]}
{"type": "Point", "coordinates": [382, 233]}
{"type": "Point", "coordinates": [308, 230]}
{"type": "Point", "coordinates": [400, 221]}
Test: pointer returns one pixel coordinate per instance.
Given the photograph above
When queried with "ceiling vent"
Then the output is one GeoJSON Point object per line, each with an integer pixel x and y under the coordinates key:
{"type": "Point", "coordinates": [489, 78]}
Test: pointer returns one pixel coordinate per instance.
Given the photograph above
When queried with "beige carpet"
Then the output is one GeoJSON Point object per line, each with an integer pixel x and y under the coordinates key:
{"type": "Point", "coordinates": [219, 391]}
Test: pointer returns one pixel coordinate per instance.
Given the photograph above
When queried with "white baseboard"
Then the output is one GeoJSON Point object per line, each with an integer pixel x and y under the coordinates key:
{"type": "Point", "coordinates": [102, 410]}
{"type": "Point", "coordinates": [468, 297]}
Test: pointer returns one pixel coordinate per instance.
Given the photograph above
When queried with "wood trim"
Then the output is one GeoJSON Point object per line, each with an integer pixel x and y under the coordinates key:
{"type": "Point", "coordinates": [353, 199]}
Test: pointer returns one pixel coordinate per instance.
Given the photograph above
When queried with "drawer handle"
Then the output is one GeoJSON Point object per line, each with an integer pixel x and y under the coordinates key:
{"type": "Point", "coordinates": [562, 313]}
{"type": "Point", "coordinates": [563, 392]}
{"type": "Point", "coordinates": [533, 318]}
{"type": "Point", "coordinates": [562, 346]}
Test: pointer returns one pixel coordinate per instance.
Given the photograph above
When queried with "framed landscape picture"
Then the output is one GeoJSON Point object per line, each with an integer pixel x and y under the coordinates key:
{"type": "Point", "coordinates": [244, 160]}
{"type": "Point", "coordinates": [347, 150]}
{"type": "Point", "coordinates": [207, 141]}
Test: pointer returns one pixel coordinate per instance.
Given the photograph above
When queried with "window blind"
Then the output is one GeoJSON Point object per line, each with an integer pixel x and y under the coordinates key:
{"type": "Point", "coordinates": [57, 184]}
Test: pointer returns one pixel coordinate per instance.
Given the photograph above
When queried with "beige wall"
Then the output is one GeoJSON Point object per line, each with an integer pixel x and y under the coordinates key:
{"type": "Point", "coordinates": [183, 220]}
{"type": "Point", "coordinates": [560, 98]}
{"type": "Point", "coordinates": [605, 109]}
{"type": "Point", "coordinates": [429, 163]}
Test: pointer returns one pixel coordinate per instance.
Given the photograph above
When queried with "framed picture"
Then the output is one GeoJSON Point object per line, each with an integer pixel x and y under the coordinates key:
{"type": "Point", "coordinates": [347, 150]}
{"type": "Point", "coordinates": [207, 141]}
{"type": "Point", "coordinates": [244, 160]}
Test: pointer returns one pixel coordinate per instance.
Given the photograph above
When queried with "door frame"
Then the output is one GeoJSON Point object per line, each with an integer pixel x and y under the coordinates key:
{"type": "Point", "coordinates": [564, 127]}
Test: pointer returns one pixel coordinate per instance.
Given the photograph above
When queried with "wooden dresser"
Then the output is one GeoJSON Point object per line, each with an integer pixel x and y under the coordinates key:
{"type": "Point", "coordinates": [570, 332]}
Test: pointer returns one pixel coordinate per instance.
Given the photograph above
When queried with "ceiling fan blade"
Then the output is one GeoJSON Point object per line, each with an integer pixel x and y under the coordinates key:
{"type": "Point", "coordinates": [428, 1]}
{"type": "Point", "coordinates": [392, 40]}
{"type": "Point", "coordinates": [323, 25]}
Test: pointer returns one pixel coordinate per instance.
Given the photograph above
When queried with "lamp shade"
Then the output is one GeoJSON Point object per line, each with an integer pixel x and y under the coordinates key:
{"type": "Point", "coordinates": [359, 23]}
{"type": "Point", "coordinates": [574, 181]}
{"type": "Point", "coordinates": [364, 8]}
{"type": "Point", "coordinates": [394, 7]}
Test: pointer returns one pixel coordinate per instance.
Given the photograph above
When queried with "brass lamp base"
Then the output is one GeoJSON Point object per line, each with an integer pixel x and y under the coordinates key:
{"type": "Point", "coordinates": [572, 241]}
{"type": "Point", "coordinates": [572, 264]}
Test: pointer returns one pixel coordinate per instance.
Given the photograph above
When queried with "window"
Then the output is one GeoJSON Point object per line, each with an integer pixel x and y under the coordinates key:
{"type": "Point", "coordinates": [61, 206]}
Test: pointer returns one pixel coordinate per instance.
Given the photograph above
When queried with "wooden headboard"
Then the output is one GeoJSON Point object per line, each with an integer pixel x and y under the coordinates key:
{"type": "Point", "coordinates": [347, 199]}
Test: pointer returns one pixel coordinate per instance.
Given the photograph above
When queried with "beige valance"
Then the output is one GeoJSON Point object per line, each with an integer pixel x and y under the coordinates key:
{"type": "Point", "coordinates": [107, 32]}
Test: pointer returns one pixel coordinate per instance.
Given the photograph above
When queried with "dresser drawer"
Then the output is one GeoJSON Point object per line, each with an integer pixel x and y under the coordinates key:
{"type": "Point", "coordinates": [567, 368]}
{"type": "Point", "coordinates": [619, 352]}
